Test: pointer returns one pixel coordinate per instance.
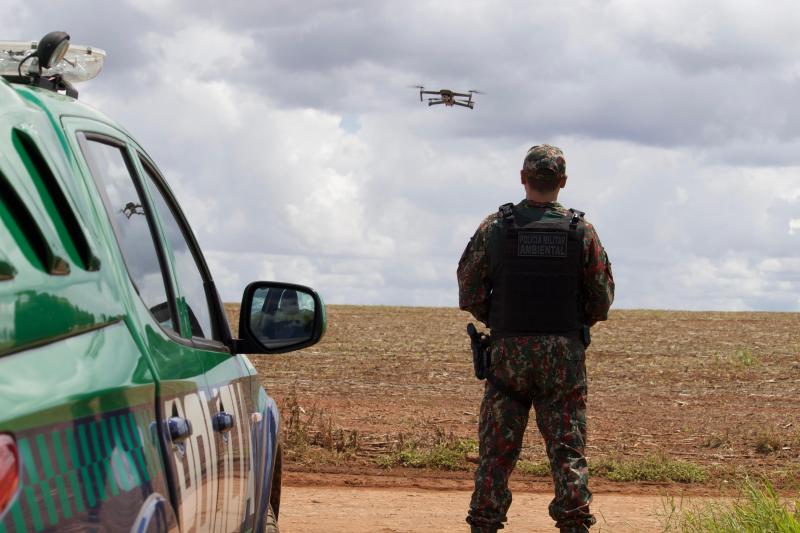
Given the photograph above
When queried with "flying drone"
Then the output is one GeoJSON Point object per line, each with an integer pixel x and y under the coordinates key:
{"type": "Point", "coordinates": [131, 209]}
{"type": "Point", "coordinates": [448, 97]}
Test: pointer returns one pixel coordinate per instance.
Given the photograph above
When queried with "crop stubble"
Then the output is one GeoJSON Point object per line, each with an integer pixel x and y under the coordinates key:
{"type": "Point", "coordinates": [706, 387]}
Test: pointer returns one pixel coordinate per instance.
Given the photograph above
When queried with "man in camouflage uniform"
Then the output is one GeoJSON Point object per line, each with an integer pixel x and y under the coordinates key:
{"type": "Point", "coordinates": [543, 369]}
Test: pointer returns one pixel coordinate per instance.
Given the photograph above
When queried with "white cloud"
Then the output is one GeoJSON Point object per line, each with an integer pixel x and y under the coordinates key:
{"type": "Point", "coordinates": [200, 51]}
{"type": "Point", "coordinates": [289, 134]}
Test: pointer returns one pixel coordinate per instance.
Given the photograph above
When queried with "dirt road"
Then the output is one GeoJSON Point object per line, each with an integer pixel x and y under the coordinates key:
{"type": "Point", "coordinates": [387, 510]}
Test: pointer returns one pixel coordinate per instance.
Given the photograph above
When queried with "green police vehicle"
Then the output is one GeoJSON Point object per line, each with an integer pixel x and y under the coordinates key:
{"type": "Point", "coordinates": [126, 402]}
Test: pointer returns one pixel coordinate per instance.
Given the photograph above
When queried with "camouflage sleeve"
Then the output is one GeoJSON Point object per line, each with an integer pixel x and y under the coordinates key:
{"type": "Point", "coordinates": [474, 284]}
{"type": "Point", "coordinates": [598, 282]}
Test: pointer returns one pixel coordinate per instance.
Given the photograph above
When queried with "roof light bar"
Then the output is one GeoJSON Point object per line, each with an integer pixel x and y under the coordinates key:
{"type": "Point", "coordinates": [76, 62]}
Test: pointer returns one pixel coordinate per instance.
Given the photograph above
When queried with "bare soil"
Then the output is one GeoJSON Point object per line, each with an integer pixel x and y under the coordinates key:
{"type": "Point", "coordinates": [720, 390]}
{"type": "Point", "coordinates": [324, 509]}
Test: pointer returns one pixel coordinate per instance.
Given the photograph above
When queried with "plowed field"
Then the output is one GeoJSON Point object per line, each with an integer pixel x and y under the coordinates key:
{"type": "Point", "coordinates": [719, 390]}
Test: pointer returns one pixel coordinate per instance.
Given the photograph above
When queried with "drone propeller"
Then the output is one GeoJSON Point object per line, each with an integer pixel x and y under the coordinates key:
{"type": "Point", "coordinates": [473, 91]}
{"type": "Point", "coordinates": [420, 87]}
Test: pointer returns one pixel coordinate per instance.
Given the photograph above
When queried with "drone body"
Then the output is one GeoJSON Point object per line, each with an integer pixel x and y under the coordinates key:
{"type": "Point", "coordinates": [448, 98]}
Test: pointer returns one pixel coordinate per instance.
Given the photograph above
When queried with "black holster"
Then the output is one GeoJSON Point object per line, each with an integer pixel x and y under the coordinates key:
{"type": "Point", "coordinates": [586, 335]}
{"type": "Point", "coordinates": [481, 351]}
{"type": "Point", "coordinates": [482, 362]}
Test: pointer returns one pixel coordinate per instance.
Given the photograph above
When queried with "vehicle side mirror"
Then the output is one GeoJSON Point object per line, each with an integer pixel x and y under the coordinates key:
{"type": "Point", "coordinates": [279, 317]}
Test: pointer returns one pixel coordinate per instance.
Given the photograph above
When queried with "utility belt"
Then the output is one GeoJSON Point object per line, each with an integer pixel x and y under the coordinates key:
{"type": "Point", "coordinates": [481, 345]}
{"type": "Point", "coordinates": [584, 334]}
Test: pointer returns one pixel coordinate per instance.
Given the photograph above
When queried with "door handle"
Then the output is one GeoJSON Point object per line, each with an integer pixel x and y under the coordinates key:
{"type": "Point", "coordinates": [179, 428]}
{"type": "Point", "coordinates": [222, 422]}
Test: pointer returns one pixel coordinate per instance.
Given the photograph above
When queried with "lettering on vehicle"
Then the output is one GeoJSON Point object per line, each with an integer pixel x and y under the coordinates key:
{"type": "Point", "coordinates": [215, 472]}
{"type": "Point", "coordinates": [541, 244]}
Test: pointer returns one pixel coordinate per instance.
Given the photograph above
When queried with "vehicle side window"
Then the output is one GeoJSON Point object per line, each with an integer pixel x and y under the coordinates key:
{"type": "Point", "coordinates": [112, 171]}
{"type": "Point", "coordinates": [189, 277]}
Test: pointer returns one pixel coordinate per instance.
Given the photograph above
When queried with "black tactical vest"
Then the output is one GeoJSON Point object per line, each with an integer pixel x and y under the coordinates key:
{"type": "Point", "coordinates": [536, 275]}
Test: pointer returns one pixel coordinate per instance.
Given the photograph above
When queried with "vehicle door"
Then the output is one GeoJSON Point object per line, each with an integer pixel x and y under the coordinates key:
{"type": "Point", "coordinates": [184, 424]}
{"type": "Point", "coordinates": [206, 327]}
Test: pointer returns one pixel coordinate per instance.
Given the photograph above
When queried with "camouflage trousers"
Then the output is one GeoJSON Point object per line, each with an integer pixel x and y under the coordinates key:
{"type": "Point", "coordinates": [551, 371]}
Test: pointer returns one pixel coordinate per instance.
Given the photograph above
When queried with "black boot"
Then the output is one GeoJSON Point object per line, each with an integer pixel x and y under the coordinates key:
{"type": "Point", "coordinates": [583, 528]}
{"type": "Point", "coordinates": [486, 529]}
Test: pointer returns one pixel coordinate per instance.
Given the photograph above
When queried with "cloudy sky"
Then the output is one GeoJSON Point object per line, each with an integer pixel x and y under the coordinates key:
{"type": "Point", "coordinates": [291, 138]}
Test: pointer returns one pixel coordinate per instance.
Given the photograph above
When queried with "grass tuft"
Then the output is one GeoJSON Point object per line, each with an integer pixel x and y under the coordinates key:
{"type": "Point", "coordinates": [309, 434]}
{"type": "Point", "coordinates": [742, 357]}
{"type": "Point", "coordinates": [745, 357]}
{"type": "Point", "coordinates": [716, 440]}
{"type": "Point", "coordinates": [650, 468]}
{"type": "Point", "coordinates": [758, 509]}
{"type": "Point", "coordinates": [450, 454]}
{"type": "Point", "coordinates": [541, 469]}
{"type": "Point", "coordinates": [768, 442]}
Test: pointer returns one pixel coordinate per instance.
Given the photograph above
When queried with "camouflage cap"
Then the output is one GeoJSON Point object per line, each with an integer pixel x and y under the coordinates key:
{"type": "Point", "coordinates": [545, 157]}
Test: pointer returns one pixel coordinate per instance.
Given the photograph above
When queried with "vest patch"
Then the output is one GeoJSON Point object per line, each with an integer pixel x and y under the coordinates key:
{"type": "Point", "coordinates": [541, 244]}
